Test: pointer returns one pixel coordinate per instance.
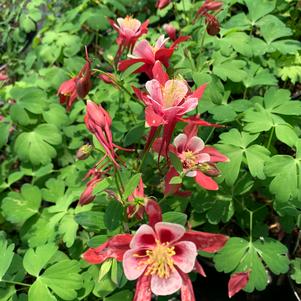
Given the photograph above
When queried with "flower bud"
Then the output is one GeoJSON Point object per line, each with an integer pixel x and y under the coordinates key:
{"type": "Point", "coordinates": [84, 152]}
{"type": "Point", "coordinates": [213, 26]}
{"type": "Point", "coordinates": [209, 169]}
{"type": "Point", "coordinates": [171, 31]}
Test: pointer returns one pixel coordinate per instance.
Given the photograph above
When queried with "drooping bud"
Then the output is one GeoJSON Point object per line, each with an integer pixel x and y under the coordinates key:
{"type": "Point", "coordinates": [210, 169]}
{"type": "Point", "coordinates": [162, 3]}
{"type": "Point", "coordinates": [108, 78]}
{"type": "Point", "coordinates": [171, 31]}
{"type": "Point", "coordinates": [83, 80]}
{"type": "Point", "coordinates": [213, 26]}
{"type": "Point", "coordinates": [84, 152]}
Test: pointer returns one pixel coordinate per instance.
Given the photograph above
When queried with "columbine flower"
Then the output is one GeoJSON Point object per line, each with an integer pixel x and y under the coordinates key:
{"type": "Point", "coordinates": [139, 201]}
{"type": "Point", "coordinates": [129, 30]}
{"type": "Point", "coordinates": [87, 196]}
{"type": "Point", "coordinates": [67, 92]}
{"type": "Point", "coordinates": [213, 26]}
{"type": "Point", "coordinates": [159, 255]}
{"type": "Point", "coordinates": [199, 161]}
{"type": "Point", "coordinates": [78, 86]}
{"type": "Point", "coordinates": [166, 102]}
{"type": "Point", "coordinates": [98, 122]}
{"type": "Point", "coordinates": [162, 3]}
{"type": "Point", "coordinates": [148, 55]}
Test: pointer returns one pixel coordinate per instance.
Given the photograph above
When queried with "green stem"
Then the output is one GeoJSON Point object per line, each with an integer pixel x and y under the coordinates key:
{"type": "Point", "coordinates": [118, 186]}
{"type": "Point", "coordinates": [14, 282]}
{"type": "Point", "coordinates": [251, 225]}
{"type": "Point", "coordinates": [270, 138]}
{"type": "Point", "coordinates": [145, 151]}
{"type": "Point", "coordinates": [203, 41]}
{"type": "Point", "coordinates": [210, 135]}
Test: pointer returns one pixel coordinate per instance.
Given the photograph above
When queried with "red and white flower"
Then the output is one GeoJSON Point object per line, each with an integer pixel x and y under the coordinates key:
{"type": "Point", "coordinates": [129, 30]}
{"type": "Point", "coordinates": [148, 55]}
{"type": "Point", "coordinates": [198, 161]}
{"type": "Point", "coordinates": [166, 102]}
{"type": "Point", "coordinates": [159, 255]}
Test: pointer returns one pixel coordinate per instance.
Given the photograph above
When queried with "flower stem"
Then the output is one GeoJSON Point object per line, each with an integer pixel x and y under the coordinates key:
{"type": "Point", "coordinates": [14, 282]}
{"type": "Point", "coordinates": [270, 138]}
{"type": "Point", "coordinates": [251, 225]}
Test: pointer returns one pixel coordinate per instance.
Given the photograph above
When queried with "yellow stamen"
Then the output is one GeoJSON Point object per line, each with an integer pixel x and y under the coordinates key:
{"type": "Point", "coordinates": [188, 159]}
{"type": "Point", "coordinates": [159, 261]}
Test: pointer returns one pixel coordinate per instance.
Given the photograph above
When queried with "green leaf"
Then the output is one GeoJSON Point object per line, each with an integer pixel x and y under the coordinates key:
{"type": "Point", "coordinates": [296, 274]}
{"type": "Point", "coordinates": [131, 70]}
{"type": "Point", "coordinates": [259, 8]}
{"type": "Point", "coordinates": [68, 228]}
{"type": "Point", "coordinates": [92, 220]}
{"type": "Point", "coordinates": [125, 295]}
{"type": "Point", "coordinates": [232, 69]}
{"type": "Point", "coordinates": [272, 28]}
{"type": "Point", "coordinates": [35, 260]}
{"type": "Point", "coordinates": [63, 279]}
{"type": "Point", "coordinates": [175, 217]}
{"type": "Point", "coordinates": [56, 115]}
{"type": "Point", "coordinates": [239, 255]}
{"type": "Point", "coordinates": [286, 134]}
{"type": "Point", "coordinates": [131, 185]}
{"type": "Point", "coordinates": [134, 135]}
{"type": "Point", "coordinates": [7, 254]}
{"type": "Point", "coordinates": [235, 145]}
{"type": "Point", "coordinates": [4, 132]}
{"type": "Point", "coordinates": [176, 162]}
{"type": "Point", "coordinates": [176, 180]}
{"type": "Point", "coordinates": [285, 171]}
{"type": "Point", "coordinates": [18, 207]}
{"type": "Point", "coordinates": [113, 215]}
{"type": "Point", "coordinates": [39, 291]}
{"type": "Point", "coordinates": [36, 146]}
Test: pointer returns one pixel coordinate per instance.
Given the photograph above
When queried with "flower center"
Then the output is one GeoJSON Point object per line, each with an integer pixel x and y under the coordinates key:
{"type": "Point", "coordinates": [160, 260]}
{"type": "Point", "coordinates": [131, 23]}
{"type": "Point", "coordinates": [188, 159]}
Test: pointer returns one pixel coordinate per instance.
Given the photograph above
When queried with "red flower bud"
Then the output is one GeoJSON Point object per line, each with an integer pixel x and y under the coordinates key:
{"type": "Point", "coordinates": [171, 31]}
{"type": "Point", "coordinates": [213, 26]}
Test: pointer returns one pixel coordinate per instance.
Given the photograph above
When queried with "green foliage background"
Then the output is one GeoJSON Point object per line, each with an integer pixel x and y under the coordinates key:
{"type": "Point", "coordinates": [253, 71]}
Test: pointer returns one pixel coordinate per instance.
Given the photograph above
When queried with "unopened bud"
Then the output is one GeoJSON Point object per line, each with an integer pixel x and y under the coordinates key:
{"type": "Point", "coordinates": [213, 26]}
{"type": "Point", "coordinates": [210, 169]}
{"type": "Point", "coordinates": [84, 152]}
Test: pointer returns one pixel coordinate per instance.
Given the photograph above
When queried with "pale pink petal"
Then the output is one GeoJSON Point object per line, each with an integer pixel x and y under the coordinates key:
{"type": "Point", "coordinates": [202, 158]}
{"type": "Point", "coordinates": [180, 142]}
{"type": "Point", "coordinates": [189, 104]}
{"type": "Point", "coordinates": [174, 91]}
{"type": "Point", "coordinates": [166, 286]}
{"type": "Point", "coordinates": [168, 232]}
{"type": "Point", "coordinates": [133, 265]}
{"type": "Point", "coordinates": [186, 253]}
{"type": "Point", "coordinates": [191, 173]}
{"type": "Point", "coordinates": [161, 42]}
{"type": "Point", "coordinates": [144, 50]}
{"type": "Point", "coordinates": [120, 21]}
{"type": "Point", "coordinates": [154, 89]}
{"type": "Point", "coordinates": [144, 237]}
{"type": "Point", "coordinates": [195, 144]}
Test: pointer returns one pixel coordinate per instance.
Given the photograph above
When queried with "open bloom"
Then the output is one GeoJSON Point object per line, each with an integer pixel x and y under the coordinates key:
{"type": "Point", "coordinates": [166, 102]}
{"type": "Point", "coordinates": [159, 255]}
{"type": "Point", "coordinates": [148, 55]}
{"type": "Point", "coordinates": [98, 122]}
{"type": "Point", "coordinates": [162, 3]}
{"type": "Point", "coordinates": [77, 86]}
{"type": "Point", "coordinates": [129, 30]}
{"type": "Point", "coordinates": [198, 161]}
